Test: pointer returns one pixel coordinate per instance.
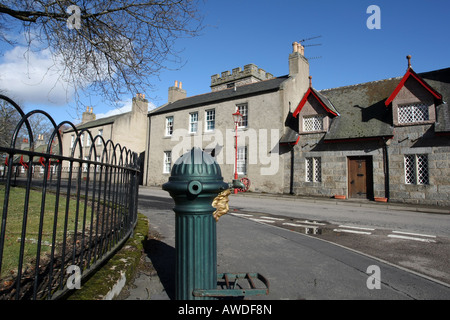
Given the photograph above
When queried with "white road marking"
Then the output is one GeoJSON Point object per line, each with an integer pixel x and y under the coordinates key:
{"type": "Point", "coordinates": [311, 222]}
{"type": "Point", "coordinates": [241, 214]}
{"type": "Point", "coordinates": [414, 234]}
{"type": "Point", "coordinates": [358, 228]}
{"type": "Point", "coordinates": [272, 218]}
{"type": "Point", "coordinates": [410, 238]}
{"type": "Point", "coordinates": [261, 220]}
{"type": "Point", "coordinates": [351, 231]}
{"type": "Point", "coordinates": [297, 225]}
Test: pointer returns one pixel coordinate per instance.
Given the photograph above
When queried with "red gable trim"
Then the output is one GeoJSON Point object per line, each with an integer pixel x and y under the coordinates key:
{"type": "Point", "coordinates": [290, 143]}
{"type": "Point", "coordinates": [411, 73]}
{"type": "Point", "coordinates": [305, 98]}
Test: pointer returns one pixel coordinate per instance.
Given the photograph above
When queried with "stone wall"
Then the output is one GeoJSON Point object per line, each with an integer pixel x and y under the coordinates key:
{"type": "Point", "coordinates": [420, 139]}
{"type": "Point", "coordinates": [239, 77]}
{"type": "Point", "coordinates": [334, 166]}
{"type": "Point", "coordinates": [261, 137]}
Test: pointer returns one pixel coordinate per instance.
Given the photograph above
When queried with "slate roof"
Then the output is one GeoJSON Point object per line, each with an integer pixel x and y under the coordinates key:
{"type": "Point", "coordinates": [96, 123]}
{"type": "Point", "coordinates": [363, 113]}
{"type": "Point", "coordinates": [256, 88]}
{"type": "Point", "coordinates": [326, 101]}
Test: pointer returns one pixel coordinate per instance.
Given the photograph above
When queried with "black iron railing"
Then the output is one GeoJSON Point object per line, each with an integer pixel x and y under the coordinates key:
{"type": "Point", "coordinates": [63, 214]}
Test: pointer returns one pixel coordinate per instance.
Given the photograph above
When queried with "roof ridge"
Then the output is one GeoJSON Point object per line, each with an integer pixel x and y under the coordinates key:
{"type": "Point", "coordinates": [211, 92]}
{"type": "Point", "coordinates": [387, 79]}
{"type": "Point", "coordinates": [359, 84]}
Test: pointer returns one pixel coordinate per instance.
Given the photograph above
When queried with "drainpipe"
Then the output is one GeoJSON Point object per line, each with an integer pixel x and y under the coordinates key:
{"type": "Point", "coordinates": [386, 143]}
{"type": "Point", "coordinates": [291, 182]}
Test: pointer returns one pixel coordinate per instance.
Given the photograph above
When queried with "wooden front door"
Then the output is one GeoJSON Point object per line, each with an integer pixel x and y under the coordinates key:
{"type": "Point", "coordinates": [360, 182]}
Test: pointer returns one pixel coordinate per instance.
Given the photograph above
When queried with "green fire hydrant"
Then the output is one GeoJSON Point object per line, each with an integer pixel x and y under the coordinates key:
{"type": "Point", "coordinates": [197, 187]}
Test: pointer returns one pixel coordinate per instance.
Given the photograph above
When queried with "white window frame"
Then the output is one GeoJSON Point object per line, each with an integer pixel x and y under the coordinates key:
{"type": "Point", "coordinates": [167, 165]}
{"type": "Point", "coordinates": [313, 123]}
{"type": "Point", "coordinates": [313, 169]}
{"type": "Point", "coordinates": [243, 110]}
{"type": "Point", "coordinates": [241, 160]}
{"type": "Point", "coordinates": [193, 122]}
{"type": "Point", "coordinates": [97, 158]}
{"type": "Point", "coordinates": [210, 120]}
{"type": "Point", "coordinates": [169, 126]}
{"type": "Point", "coordinates": [72, 141]}
{"type": "Point", "coordinates": [85, 165]}
{"type": "Point", "coordinates": [413, 113]}
{"type": "Point", "coordinates": [100, 133]}
{"type": "Point", "coordinates": [416, 169]}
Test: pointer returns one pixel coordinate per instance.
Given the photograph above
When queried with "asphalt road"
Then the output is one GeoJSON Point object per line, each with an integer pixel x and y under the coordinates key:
{"type": "Point", "coordinates": [328, 265]}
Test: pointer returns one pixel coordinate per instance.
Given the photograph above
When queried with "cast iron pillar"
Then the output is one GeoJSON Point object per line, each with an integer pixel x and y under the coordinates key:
{"type": "Point", "coordinates": [195, 181]}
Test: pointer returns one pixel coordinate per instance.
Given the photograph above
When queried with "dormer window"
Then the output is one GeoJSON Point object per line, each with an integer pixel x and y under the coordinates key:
{"type": "Point", "coordinates": [413, 100]}
{"type": "Point", "coordinates": [413, 113]}
{"type": "Point", "coordinates": [314, 112]}
{"type": "Point", "coordinates": [313, 123]}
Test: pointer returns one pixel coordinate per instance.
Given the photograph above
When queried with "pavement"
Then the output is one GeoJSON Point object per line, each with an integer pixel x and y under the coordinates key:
{"type": "Point", "coordinates": [316, 270]}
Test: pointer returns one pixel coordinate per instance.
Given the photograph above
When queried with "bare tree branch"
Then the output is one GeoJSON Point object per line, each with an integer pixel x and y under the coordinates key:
{"type": "Point", "coordinates": [120, 45]}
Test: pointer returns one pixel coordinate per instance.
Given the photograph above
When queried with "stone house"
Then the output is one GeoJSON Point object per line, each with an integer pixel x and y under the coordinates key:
{"type": "Point", "coordinates": [206, 121]}
{"type": "Point", "coordinates": [382, 140]}
{"type": "Point", "coordinates": [385, 140]}
{"type": "Point", "coordinates": [127, 130]}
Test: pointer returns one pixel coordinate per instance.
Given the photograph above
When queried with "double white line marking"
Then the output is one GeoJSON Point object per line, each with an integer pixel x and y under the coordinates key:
{"type": "Point", "coordinates": [358, 230]}
{"type": "Point", "coordinates": [344, 228]}
{"type": "Point", "coordinates": [412, 236]}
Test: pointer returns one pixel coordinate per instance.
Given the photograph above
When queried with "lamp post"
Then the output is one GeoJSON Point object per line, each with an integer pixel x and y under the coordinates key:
{"type": "Point", "coordinates": [237, 118]}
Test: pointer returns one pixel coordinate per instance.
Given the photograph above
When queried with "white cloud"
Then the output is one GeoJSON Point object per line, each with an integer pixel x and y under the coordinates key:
{"type": "Point", "coordinates": [32, 77]}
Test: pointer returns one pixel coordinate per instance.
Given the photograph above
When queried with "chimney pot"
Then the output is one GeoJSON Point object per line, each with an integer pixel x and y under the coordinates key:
{"type": "Point", "coordinates": [180, 84]}
{"type": "Point", "coordinates": [409, 61]}
{"type": "Point", "coordinates": [176, 83]}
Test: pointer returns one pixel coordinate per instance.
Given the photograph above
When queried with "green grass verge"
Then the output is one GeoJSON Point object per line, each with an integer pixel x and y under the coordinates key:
{"type": "Point", "coordinates": [126, 260]}
{"type": "Point", "coordinates": [15, 220]}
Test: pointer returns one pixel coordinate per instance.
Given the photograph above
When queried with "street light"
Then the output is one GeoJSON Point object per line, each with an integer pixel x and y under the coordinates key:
{"type": "Point", "coordinates": [237, 118]}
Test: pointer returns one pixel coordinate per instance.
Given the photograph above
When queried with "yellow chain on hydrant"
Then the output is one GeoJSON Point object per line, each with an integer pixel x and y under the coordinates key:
{"type": "Point", "coordinates": [221, 204]}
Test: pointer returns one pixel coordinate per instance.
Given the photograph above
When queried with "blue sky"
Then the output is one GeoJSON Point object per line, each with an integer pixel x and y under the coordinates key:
{"type": "Point", "coordinates": [239, 32]}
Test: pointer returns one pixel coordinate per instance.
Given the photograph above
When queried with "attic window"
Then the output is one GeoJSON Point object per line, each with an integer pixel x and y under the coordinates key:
{"type": "Point", "coordinates": [313, 123]}
{"type": "Point", "coordinates": [412, 113]}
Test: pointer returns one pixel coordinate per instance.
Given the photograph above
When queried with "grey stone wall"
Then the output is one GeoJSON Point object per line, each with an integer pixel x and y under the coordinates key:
{"type": "Point", "coordinates": [420, 139]}
{"type": "Point", "coordinates": [334, 171]}
{"type": "Point", "coordinates": [239, 77]}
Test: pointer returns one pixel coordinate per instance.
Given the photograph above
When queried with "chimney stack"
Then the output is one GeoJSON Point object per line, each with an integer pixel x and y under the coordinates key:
{"type": "Point", "coordinates": [88, 115]}
{"type": "Point", "coordinates": [176, 92]}
{"type": "Point", "coordinates": [298, 64]}
{"type": "Point", "coordinates": [139, 104]}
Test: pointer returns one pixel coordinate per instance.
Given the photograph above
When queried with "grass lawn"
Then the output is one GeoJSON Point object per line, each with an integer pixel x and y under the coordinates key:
{"type": "Point", "coordinates": [15, 220]}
